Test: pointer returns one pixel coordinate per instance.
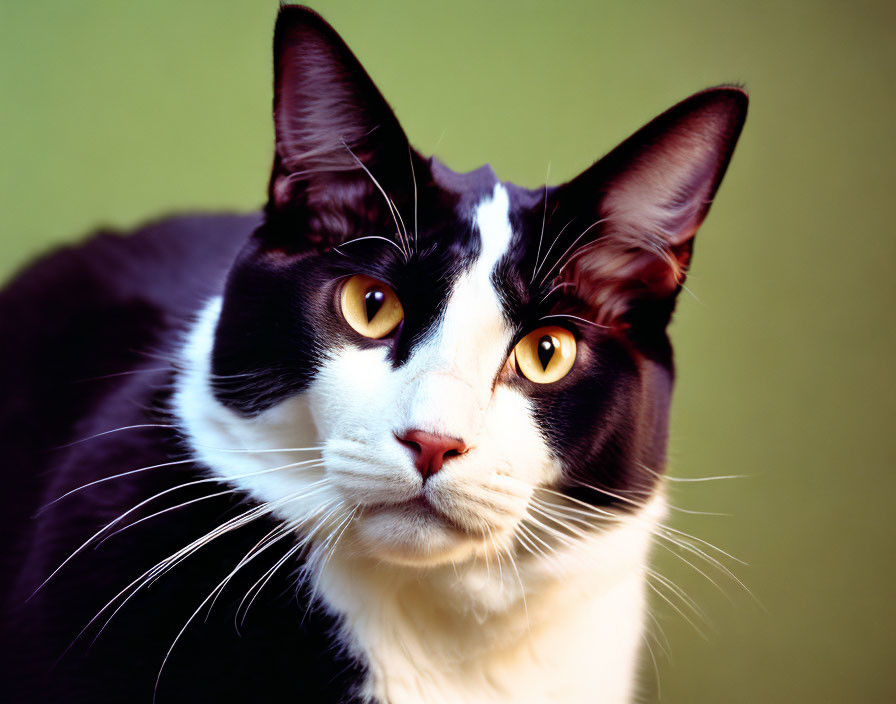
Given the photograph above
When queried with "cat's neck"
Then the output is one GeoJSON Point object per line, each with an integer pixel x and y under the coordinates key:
{"type": "Point", "coordinates": [566, 629]}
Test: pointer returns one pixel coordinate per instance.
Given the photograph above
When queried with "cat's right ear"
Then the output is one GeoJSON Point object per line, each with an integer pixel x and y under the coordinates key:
{"type": "Point", "coordinates": [337, 140]}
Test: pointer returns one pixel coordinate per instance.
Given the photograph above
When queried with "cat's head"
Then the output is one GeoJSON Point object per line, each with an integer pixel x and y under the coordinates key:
{"type": "Point", "coordinates": [466, 352]}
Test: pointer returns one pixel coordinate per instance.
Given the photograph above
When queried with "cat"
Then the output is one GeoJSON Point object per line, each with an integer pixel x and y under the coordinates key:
{"type": "Point", "coordinates": [399, 437]}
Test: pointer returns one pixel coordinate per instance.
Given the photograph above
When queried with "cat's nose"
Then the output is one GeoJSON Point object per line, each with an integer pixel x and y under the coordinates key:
{"type": "Point", "coordinates": [430, 451]}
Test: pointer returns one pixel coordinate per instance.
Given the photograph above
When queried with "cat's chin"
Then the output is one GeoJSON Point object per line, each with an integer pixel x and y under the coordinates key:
{"type": "Point", "coordinates": [412, 536]}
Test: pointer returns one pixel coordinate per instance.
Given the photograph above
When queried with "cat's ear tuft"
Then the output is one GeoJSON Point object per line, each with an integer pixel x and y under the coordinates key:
{"type": "Point", "coordinates": [329, 119]}
{"type": "Point", "coordinates": [647, 198]}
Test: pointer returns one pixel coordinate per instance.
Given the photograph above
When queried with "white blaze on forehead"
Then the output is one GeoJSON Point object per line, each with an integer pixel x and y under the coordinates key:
{"type": "Point", "coordinates": [493, 220]}
{"type": "Point", "coordinates": [452, 372]}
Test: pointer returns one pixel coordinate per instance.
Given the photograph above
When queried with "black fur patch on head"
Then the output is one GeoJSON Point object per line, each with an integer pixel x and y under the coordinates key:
{"type": "Point", "coordinates": [606, 420]}
{"type": "Point", "coordinates": [281, 313]}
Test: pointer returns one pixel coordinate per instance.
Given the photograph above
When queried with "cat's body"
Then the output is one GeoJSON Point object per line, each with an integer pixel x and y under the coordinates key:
{"type": "Point", "coordinates": [130, 305]}
{"type": "Point", "coordinates": [432, 507]}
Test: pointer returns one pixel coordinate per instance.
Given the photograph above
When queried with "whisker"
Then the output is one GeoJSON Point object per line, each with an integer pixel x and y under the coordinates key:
{"type": "Point", "coordinates": [544, 216]}
{"type": "Point", "coordinates": [702, 542]}
{"type": "Point", "coordinates": [371, 237]}
{"type": "Point", "coordinates": [656, 669]}
{"type": "Point", "coordinates": [328, 509]}
{"type": "Point", "coordinates": [559, 512]}
{"type": "Point", "coordinates": [670, 478]}
{"type": "Point", "coordinates": [574, 243]}
{"type": "Point", "coordinates": [608, 514]}
{"type": "Point", "coordinates": [681, 594]}
{"type": "Point", "coordinates": [681, 613]}
{"type": "Point", "coordinates": [288, 528]}
{"type": "Point", "coordinates": [188, 503]}
{"type": "Point", "coordinates": [560, 536]}
{"type": "Point", "coordinates": [664, 643]}
{"type": "Point", "coordinates": [146, 501]}
{"type": "Point", "coordinates": [672, 536]}
{"type": "Point", "coordinates": [557, 287]}
{"type": "Point", "coordinates": [118, 374]}
{"type": "Point", "coordinates": [173, 559]}
{"type": "Point", "coordinates": [531, 538]}
{"type": "Point", "coordinates": [414, 179]}
{"type": "Point", "coordinates": [250, 451]}
{"type": "Point", "coordinates": [684, 545]}
{"type": "Point", "coordinates": [396, 216]}
{"type": "Point", "coordinates": [115, 430]}
{"type": "Point", "coordinates": [164, 511]}
{"type": "Point", "coordinates": [221, 585]}
{"type": "Point", "coordinates": [263, 580]}
{"type": "Point", "coordinates": [338, 532]}
{"type": "Point", "coordinates": [109, 478]}
{"type": "Point", "coordinates": [548, 253]}
{"type": "Point", "coordinates": [576, 317]}
{"type": "Point", "coordinates": [694, 567]}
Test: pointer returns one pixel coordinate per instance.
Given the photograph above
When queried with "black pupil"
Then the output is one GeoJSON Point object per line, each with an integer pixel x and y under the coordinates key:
{"type": "Point", "coordinates": [546, 349]}
{"type": "Point", "coordinates": [373, 301]}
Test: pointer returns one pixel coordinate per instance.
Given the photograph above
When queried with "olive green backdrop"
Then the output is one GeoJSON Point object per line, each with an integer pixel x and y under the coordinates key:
{"type": "Point", "coordinates": [114, 112]}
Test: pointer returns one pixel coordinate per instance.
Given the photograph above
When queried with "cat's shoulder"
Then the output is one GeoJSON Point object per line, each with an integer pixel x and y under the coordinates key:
{"type": "Point", "coordinates": [84, 320]}
{"type": "Point", "coordinates": [164, 259]}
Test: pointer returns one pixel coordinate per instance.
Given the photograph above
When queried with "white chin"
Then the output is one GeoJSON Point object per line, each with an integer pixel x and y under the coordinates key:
{"type": "Point", "coordinates": [410, 538]}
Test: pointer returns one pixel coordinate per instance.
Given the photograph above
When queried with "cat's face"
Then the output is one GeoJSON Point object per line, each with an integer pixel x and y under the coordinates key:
{"type": "Point", "coordinates": [465, 353]}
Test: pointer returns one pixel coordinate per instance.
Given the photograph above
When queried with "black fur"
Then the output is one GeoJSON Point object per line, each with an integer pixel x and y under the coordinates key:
{"type": "Point", "coordinates": [116, 306]}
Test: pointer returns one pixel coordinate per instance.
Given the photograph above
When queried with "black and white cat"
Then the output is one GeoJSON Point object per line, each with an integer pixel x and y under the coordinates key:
{"type": "Point", "coordinates": [400, 438]}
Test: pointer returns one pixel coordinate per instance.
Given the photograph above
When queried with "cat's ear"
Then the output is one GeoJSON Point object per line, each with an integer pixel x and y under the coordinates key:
{"type": "Point", "coordinates": [336, 137]}
{"type": "Point", "coordinates": [640, 206]}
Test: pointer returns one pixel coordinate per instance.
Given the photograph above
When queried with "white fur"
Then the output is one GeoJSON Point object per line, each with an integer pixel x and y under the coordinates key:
{"type": "Point", "coordinates": [448, 606]}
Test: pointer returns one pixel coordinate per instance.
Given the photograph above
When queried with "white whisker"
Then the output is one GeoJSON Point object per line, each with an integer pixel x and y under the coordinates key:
{"type": "Point", "coordinates": [370, 237]}
{"type": "Point", "coordinates": [221, 585]}
{"type": "Point", "coordinates": [681, 613]}
{"type": "Point", "coordinates": [109, 478]}
{"type": "Point", "coordinates": [116, 430]}
{"type": "Point", "coordinates": [146, 501]}
{"type": "Point", "coordinates": [396, 216]}
{"type": "Point", "coordinates": [547, 254]}
{"type": "Point", "coordinates": [575, 317]}
{"type": "Point", "coordinates": [574, 243]}
{"type": "Point", "coordinates": [414, 179]}
{"type": "Point", "coordinates": [544, 215]}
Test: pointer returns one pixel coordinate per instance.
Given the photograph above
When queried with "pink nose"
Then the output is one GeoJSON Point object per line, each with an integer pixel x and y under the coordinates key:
{"type": "Point", "coordinates": [430, 451]}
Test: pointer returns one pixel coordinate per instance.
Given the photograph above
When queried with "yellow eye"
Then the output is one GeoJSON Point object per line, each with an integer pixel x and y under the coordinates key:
{"type": "Point", "coordinates": [370, 306]}
{"type": "Point", "coordinates": [546, 355]}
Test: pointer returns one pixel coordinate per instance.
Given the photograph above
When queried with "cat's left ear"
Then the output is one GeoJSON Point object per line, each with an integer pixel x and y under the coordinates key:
{"type": "Point", "coordinates": [336, 138]}
{"type": "Point", "coordinates": [638, 208]}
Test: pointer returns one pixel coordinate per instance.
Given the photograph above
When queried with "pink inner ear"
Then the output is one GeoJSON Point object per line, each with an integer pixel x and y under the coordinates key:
{"type": "Point", "coordinates": [661, 199]}
{"type": "Point", "coordinates": [662, 184]}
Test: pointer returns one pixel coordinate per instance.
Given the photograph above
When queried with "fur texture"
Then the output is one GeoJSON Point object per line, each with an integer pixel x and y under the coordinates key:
{"type": "Point", "coordinates": [224, 508]}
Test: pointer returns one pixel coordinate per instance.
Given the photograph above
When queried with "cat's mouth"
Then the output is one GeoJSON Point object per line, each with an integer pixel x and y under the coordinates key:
{"type": "Point", "coordinates": [417, 508]}
{"type": "Point", "coordinates": [413, 532]}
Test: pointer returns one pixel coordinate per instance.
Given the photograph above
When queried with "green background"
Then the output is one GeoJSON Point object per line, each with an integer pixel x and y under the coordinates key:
{"type": "Point", "coordinates": [117, 112]}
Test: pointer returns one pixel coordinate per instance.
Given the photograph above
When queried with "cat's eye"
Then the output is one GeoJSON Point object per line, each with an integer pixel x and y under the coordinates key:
{"type": "Point", "coordinates": [370, 306]}
{"type": "Point", "coordinates": [546, 355]}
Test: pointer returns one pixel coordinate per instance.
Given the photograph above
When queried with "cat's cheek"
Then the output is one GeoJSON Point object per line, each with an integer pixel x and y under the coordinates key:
{"type": "Point", "coordinates": [350, 387]}
{"type": "Point", "coordinates": [513, 441]}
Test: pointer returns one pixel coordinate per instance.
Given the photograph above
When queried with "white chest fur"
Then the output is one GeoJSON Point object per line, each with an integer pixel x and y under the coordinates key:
{"type": "Point", "coordinates": [564, 630]}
